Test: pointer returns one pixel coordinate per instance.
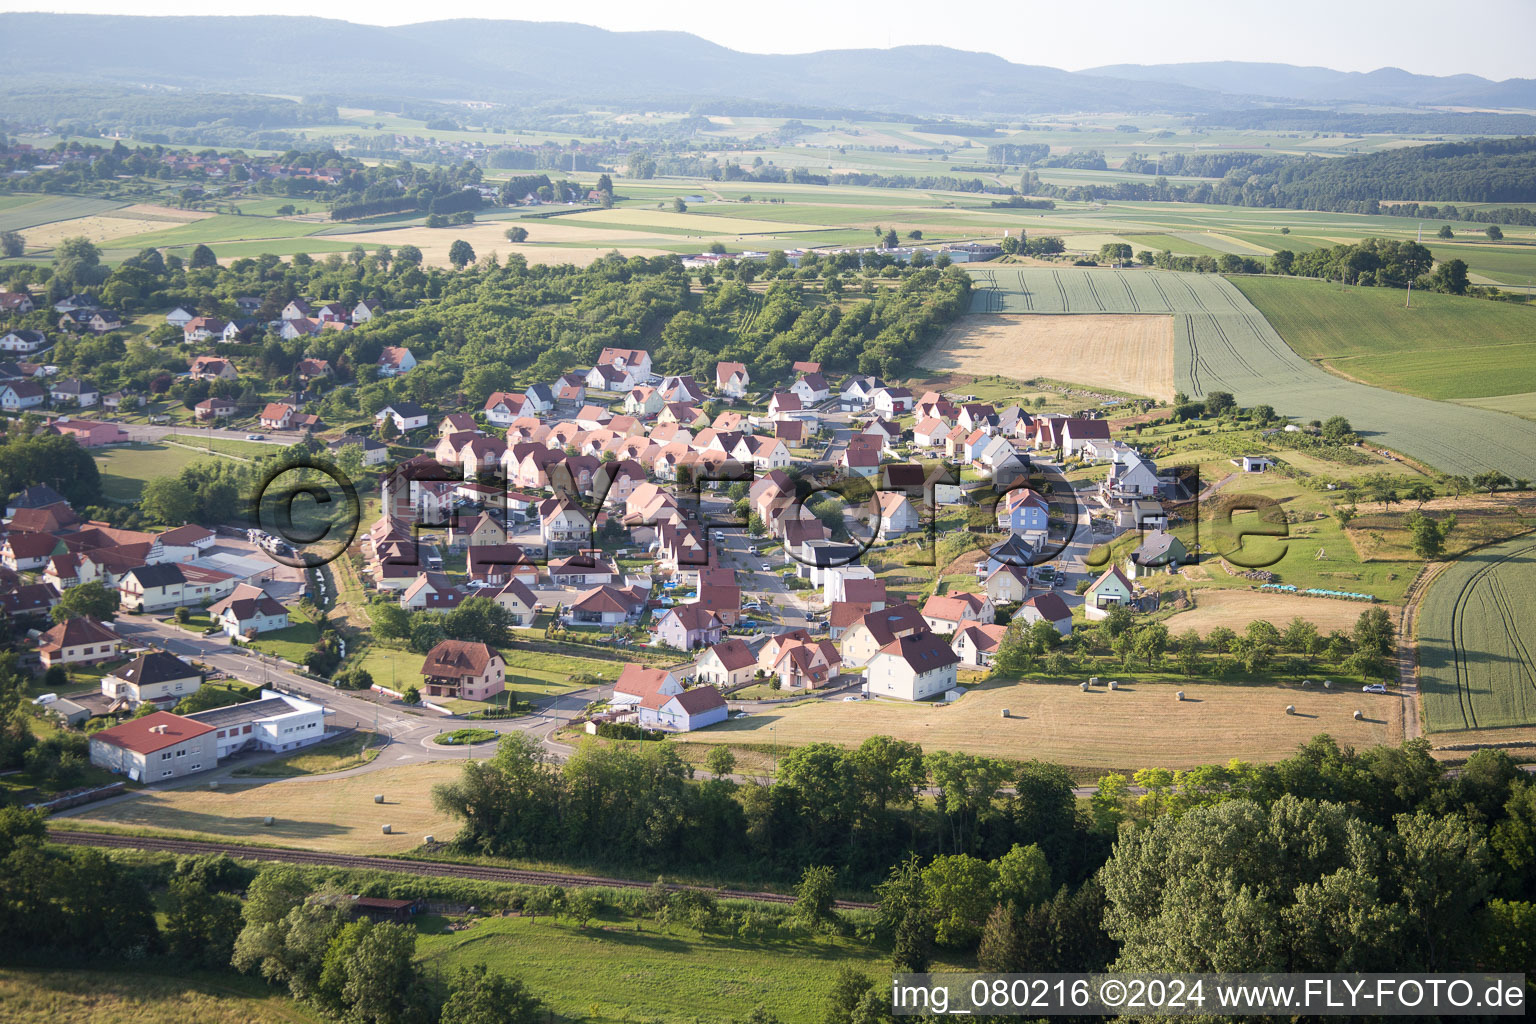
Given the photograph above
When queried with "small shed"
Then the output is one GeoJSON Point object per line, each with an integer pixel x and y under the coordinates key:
{"type": "Point", "coordinates": [378, 910]}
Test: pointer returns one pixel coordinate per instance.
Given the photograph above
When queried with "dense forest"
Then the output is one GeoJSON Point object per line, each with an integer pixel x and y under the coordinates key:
{"type": "Point", "coordinates": [1333, 859]}
{"type": "Point", "coordinates": [1482, 171]}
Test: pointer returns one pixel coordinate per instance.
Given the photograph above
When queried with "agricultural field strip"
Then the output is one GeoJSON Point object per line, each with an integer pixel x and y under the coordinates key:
{"type": "Point", "coordinates": [1223, 343]}
{"type": "Point", "coordinates": [1465, 669]}
{"type": "Point", "coordinates": [47, 210]}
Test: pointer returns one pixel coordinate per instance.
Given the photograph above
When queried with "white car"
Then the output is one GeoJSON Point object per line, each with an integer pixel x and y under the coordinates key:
{"type": "Point", "coordinates": [767, 567]}
{"type": "Point", "coordinates": [477, 584]}
{"type": "Point", "coordinates": [1374, 688]}
{"type": "Point", "coordinates": [253, 437]}
{"type": "Point", "coordinates": [852, 696]}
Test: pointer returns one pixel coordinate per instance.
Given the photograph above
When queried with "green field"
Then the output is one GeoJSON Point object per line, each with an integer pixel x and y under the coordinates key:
{"type": "Point", "coordinates": [1477, 650]}
{"type": "Point", "coordinates": [1222, 342]}
{"type": "Point", "coordinates": [25, 211]}
{"type": "Point", "coordinates": [125, 470]}
{"type": "Point", "coordinates": [1368, 334]}
{"type": "Point", "coordinates": [612, 972]}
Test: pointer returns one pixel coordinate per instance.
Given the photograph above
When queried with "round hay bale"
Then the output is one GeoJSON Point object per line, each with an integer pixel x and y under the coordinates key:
{"type": "Point", "coordinates": [1179, 695]}
{"type": "Point", "coordinates": [429, 840]}
{"type": "Point", "coordinates": [1327, 684]}
{"type": "Point", "coordinates": [1290, 709]}
{"type": "Point", "coordinates": [384, 829]}
{"type": "Point", "coordinates": [1306, 682]}
{"type": "Point", "coordinates": [1093, 680]}
{"type": "Point", "coordinates": [1005, 712]}
{"type": "Point", "coordinates": [1359, 714]}
{"type": "Point", "coordinates": [378, 798]}
{"type": "Point", "coordinates": [267, 820]}
{"type": "Point", "coordinates": [1084, 687]}
{"type": "Point", "coordinates": [1114, 684]}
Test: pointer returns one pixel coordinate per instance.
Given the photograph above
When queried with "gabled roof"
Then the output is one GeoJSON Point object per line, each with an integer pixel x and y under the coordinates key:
{"type": "Point", "coordinates": [923, 652]}
{"type": "Point", "coordinates": [73, 632]}
{"type": "Point", "coordinates": [156, 667]}
{"type": "Point", "coordinates": [1051, 607]}
{"type": "Point", "coordinates": [734, 654]}
{"type": "Point", "coordinates": [886, 623]}
{"type": "Point", "coordinates": [699, 700]}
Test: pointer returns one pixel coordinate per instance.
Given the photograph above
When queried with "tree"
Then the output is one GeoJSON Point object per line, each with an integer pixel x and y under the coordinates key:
{"type": "Point", "coordinates": [720, 761]}
{"type": "Point", "coordinates": [167, 500]}
{"type": "Point", "coordinates": [11, 244]}
{"type": "Point", "coordinates": [1001, 950]}
{"type": "Point", "coordinates": [678, 206]}
{"type": "Point", "coordinates": [477, 996]}
{"type": "Point", "coordinates": [1445, 232]}
{"type": "Point", "coordinates": [460, 254]}
{"type": "Point", "coordinates": [412, 695]}
{"type": "Point", "coordinates": [1490, 481]}
{"type": "Point", "coordinates": [1494, 233]}
{"type": "Point", "coordinates": [958, 894]}
{"type": "Point", "coordinates": [201, 926]}
{"type": "Point", "coordinates": [202, 258]}
{"type": "Point", "coordinates": [903, 913]}
{"type": "Point", "coordinates": [1023, 877]}
{"type": "Point", "coordinates": [1451, 276]}
{"type": "Point", "coordinates": [517, 233]}
{"type": "Point", "coordinates": [1428, 535]}
{"type": "Point", "coordinates": [388, 620]}
{"type": "Point", "coordinates": [93, 600]}
{"type": "Point", "coordinates": [1218, 402]}
{"type": "Point", "coordinates": [1337, 428]}
{"type": "Point", "coordinates": [368, 974]}
{"type": "Point", "coordinates": [813, 897]}
{"type": "Point", "coordinates": [848, 990]}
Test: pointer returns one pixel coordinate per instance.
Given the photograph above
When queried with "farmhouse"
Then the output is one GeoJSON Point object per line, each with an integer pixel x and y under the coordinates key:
{"type": "Point", "coordinates": [406, 416]}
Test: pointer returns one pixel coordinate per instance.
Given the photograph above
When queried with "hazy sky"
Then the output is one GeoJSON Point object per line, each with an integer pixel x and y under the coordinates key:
{"type": "Point", "coordinates": [1485, 37]}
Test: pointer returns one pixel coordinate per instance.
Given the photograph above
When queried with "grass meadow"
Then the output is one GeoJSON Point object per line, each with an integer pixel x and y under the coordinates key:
{"type": "Point", "coordinates": [41, 996]}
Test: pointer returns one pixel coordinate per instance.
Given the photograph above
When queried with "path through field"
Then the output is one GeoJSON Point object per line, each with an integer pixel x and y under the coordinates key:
{"type": "Point", "coordinates": [1223, 343]}
{"type": "Point", "coordinates": [1477, 647]}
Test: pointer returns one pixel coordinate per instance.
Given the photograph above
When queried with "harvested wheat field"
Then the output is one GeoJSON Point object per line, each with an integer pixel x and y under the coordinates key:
{"type": "Point", "coordinates": [319, 813]}
{"type": "Point", "coordinates": [1128, 353]}
{"type": "Point", "coordinates": [1137, 726]}
{"type": "Point", "coordinates": [1236, 608]}
{"type": "Point", "coordinates": [130, 220]}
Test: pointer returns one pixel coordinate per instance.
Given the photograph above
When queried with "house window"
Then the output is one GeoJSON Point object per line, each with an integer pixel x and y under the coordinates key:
{"type": "Point", "coordinates": [167, 772]}
{"type": "Point", "coordinates": [165, 756]}
{"type": "Point", "coordinates": [194, 767]}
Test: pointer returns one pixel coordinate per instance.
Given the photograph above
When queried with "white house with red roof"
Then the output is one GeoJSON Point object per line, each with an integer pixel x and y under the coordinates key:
{"type": "Point", "coordinates": [912, 667]}
{"type": "Point", "coordinates": [683, 712]}
{"type": "Point", "coordinates": [156, 747]}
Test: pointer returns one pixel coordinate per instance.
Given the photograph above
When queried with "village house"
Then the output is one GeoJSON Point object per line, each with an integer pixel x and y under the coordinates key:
{"type": "Point", "coordinates": [945, 612]}
{"type": "Point", "coordinates": [202, 329]}
{"type": "Point", "coordinates": [688, 626]}
{"type": "Point", "coordinates": [877, 629]}
{"type": "Point", "coordinates": [897, 515]}
{"type": "Point", "coordinates": [154, 676]}
{"type": "Point", "coordinates": [23, 341]}
{"type": "Point", "coordinates": [683, 712]}
{"type": "Point", "coordinates": [731, 379]}
{"type": "Point", "coordinates": [516, 598]}
{"type": "Point", "coordinates": [503, 408]}
{"type": "Point", "coordinates": [248, 611]}
{"type": "Point", "coordinates": [1023, 510]}
{"type": "Point", "coordinates": [912, 667]}
{"type": "Point", "coordinates": [1110, 590]}
{"type": "Point", "coordinates": [728, 664]}
{"type": "Point", "coordinates": [1158, 552]}
{"type": "Point", "coordinates": [74, 392]}
{"type": "Point", "coordinates": [81, 641]}
{"type": "Point", "coordinates": [314, 369]}
{"type": "Point", "coordinates": [1048, 607]}
{"type": "Point", "coordinates": [892, 402]}
{"type": "Point", "coordinates": [636, 682]}
{"type": "Point", "coordinates": [807, 664]}
{"type": "Point", "coordinates": [366, 310]}
{"type": "Point", "coordinates": [605, 606]}
{"type": "Point", "coordinates": [394, 361]}
{"type": "Point", "coordinates": [858, 393]}
{"type": "Point", "coordinates": [407, 416]}
{"type": "Point", "coordinates": [214, 408]}
{"type": "Point", "coordinates": [21, 395]}
{"type": "Point", "coordinates": [432, 592]}
{"type": "Point", "coordinates": [277, 416]}
{"type": "Point", "coordinates": [975, 643]}
{"type": "Point", "coordinates": [463, 669]}
{"type": "Point", "coordinates": [811, 389]}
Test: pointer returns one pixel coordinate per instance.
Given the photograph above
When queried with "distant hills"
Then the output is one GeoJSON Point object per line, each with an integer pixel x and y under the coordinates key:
{"type": "Point", "coordinates": [554, 63]}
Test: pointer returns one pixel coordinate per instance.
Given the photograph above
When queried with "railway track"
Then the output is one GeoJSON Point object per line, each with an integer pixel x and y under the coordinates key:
{"type": "Point", "coordinates": [441, 869]}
